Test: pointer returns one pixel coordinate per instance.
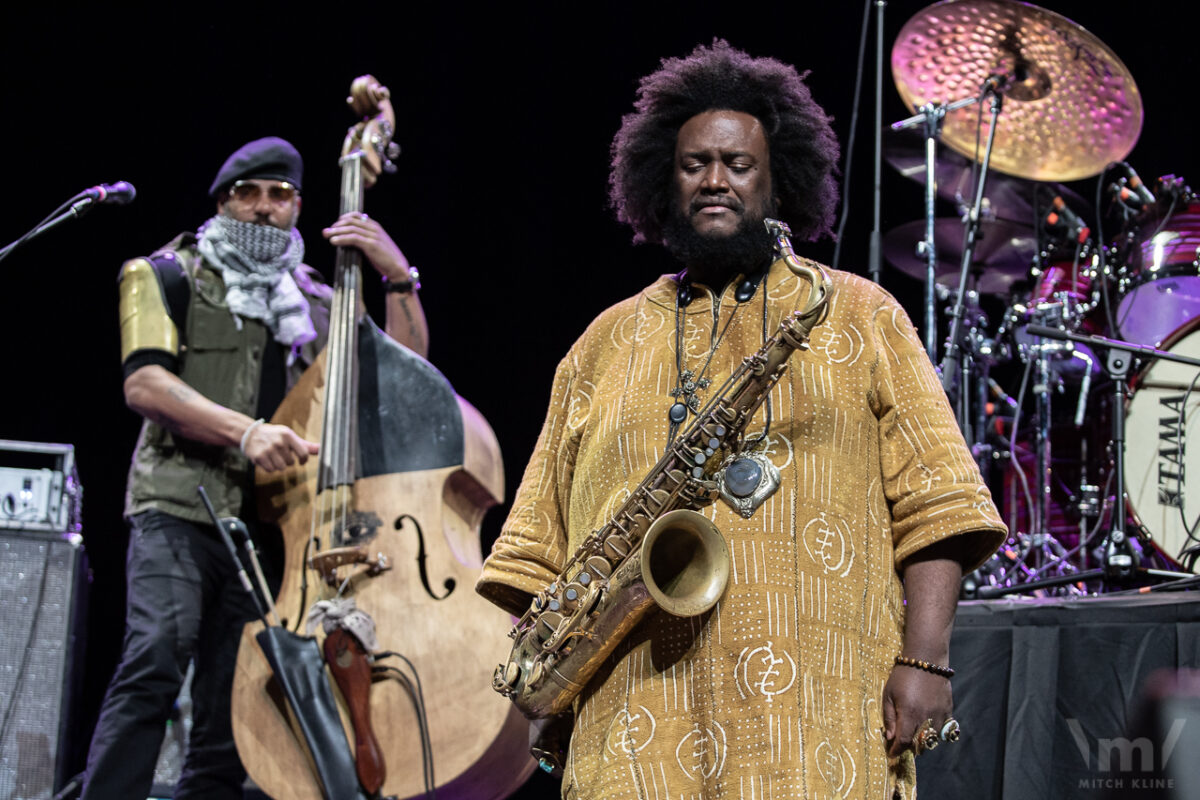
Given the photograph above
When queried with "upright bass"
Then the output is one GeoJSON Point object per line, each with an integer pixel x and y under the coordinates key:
{"type": "Point", "coordinates": [381, 543]}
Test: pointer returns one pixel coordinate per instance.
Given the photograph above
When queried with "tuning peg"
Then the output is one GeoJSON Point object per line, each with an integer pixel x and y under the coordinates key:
{"type": "Point", "coordinates": [389, 167]}
{"type": "Point", "coordinates": [393, 150]}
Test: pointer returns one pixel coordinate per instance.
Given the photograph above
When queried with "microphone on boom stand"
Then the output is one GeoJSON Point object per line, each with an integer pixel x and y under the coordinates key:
{"type": "Point", "coordinates": [119, 194]}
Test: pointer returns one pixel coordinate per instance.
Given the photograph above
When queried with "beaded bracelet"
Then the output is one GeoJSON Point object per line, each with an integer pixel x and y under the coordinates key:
{"type": "Point", "coordinates": [916, 663]}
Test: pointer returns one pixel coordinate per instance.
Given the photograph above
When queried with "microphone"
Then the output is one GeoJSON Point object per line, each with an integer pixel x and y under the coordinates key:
{"type": "Point", "coordinates": [1131, 187]}
{"type": "Point", "coordinates": [118, 194]}
{"type": "Point", "coordinates": [1062, 216]}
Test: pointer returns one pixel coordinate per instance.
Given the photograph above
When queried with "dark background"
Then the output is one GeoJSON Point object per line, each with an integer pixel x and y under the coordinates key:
{"type": "Point", "coordinates": [505, 116]}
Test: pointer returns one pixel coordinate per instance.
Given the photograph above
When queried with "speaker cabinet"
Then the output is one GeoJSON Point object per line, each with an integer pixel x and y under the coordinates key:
{"type": "Point", "coordinates": [42, 588]}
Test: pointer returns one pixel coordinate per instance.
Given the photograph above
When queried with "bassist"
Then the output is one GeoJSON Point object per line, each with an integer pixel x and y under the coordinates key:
{"type": "Point", "coordinates": [215, 328]}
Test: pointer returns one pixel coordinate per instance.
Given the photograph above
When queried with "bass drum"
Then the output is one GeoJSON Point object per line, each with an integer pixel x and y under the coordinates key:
{"type": "Point", "coordinates": [1161, 292]}
{"type": "Point", "coordinates": [1162, 476]}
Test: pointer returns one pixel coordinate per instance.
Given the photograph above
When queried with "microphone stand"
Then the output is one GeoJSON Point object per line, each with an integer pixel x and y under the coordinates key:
{"type": "Point", "coordinates": [1120, 560]}
{"type": "Point", "coordinates": [930, 118]}
{"type": "Point", "coordinates": [949, 364]}
{"type": "Point", "coordinates": [74, 208]}
{"type": "Point", "coordinates": [875, 251]}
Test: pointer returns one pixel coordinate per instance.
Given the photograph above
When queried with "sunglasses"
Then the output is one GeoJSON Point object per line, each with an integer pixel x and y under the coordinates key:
{"type": "Point", "coordinates": [251, 192]}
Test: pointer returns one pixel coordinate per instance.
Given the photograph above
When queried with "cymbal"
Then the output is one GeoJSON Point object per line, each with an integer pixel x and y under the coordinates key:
{"type": "Point", "coordinates": [1005, 197]}
{"type": "Point", "coordinates": [1004, 252]}
{"type": "Point", "coordinates": [1071, 106]}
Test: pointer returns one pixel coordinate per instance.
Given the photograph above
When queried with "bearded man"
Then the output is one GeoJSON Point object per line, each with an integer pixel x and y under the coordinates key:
{"type": "Point", "coordinates": [824, 666]}
{"type": "Point", "coordinates": [216, 326]}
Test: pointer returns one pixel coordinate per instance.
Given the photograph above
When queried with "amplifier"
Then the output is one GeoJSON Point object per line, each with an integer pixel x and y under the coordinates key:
{"type": "Point", "coordinates": [39, 487]}
{"type": "Point", "coordinates": [42, 627]}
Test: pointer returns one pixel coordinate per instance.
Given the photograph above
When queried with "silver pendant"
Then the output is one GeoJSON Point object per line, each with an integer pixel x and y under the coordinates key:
{"type": "Point", "coordinates": [746, 480]}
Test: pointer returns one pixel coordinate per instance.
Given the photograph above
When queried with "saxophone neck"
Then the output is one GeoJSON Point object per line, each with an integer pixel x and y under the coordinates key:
{"type": "Point", "coordinates": [820, 285]}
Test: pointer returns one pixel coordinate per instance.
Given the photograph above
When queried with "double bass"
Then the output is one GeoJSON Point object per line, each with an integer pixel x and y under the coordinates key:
{"type": "Point", "coordinates": [382, 528]}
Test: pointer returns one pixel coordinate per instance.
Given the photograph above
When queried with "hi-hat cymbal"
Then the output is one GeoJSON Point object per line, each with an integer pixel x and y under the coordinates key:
{"type": "Point", "coordinates": [1004, 252]}
{"type": "Point", "coordinates": [1071, 106]}
{"type": "Point", "coordinates": [1005, 197]}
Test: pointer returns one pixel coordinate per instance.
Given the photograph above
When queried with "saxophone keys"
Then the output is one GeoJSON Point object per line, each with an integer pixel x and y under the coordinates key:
{"type": "Point", "coordinates": [504, 679]}
{"type": "Point", "coordinates": [616, 548]}
{"type": "Point", "coordinates": [536, 673]}
{"type": "Point", "coordinates": [547, 625]}
{"type": "Point", "coordinates": [597, 566]}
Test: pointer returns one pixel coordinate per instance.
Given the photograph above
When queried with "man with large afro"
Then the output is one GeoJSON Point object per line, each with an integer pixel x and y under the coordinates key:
{"type": "Point", "coordinates": [823, 668]}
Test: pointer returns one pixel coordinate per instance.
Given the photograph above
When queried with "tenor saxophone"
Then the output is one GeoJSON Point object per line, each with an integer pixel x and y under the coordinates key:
{"type": "Point", "coordinates": [656, 550]}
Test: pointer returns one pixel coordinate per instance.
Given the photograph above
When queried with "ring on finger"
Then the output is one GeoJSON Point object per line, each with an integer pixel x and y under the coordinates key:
{"type": "Point", "coordinates": [926, 737]}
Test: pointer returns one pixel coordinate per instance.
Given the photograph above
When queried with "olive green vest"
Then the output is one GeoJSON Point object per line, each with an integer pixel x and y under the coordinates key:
{"type": "Point", "coordinates": [223, 363]}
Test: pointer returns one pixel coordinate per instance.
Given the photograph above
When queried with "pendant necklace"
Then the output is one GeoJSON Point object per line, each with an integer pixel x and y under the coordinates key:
{"type": "Point", "coordinates": [747, 477]}
{"type": "Point", "coordinates": [688, 382]}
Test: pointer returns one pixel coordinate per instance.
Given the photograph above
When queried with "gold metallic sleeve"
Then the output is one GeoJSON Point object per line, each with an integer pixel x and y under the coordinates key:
{"type": "Point", "coordinates": [145, 322]}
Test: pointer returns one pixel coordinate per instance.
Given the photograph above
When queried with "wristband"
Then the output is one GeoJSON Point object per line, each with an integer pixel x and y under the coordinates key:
{"type": "Point", "coordinates": [246, 435]}
{"type": "Point", "coordinates": [403, 287]}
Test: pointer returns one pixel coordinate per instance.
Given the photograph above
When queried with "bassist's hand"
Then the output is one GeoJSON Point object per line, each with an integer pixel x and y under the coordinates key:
{"type": "Point", "coordinates": [358, 230]}
{"type": "Point", "coordinates": [274, 447]}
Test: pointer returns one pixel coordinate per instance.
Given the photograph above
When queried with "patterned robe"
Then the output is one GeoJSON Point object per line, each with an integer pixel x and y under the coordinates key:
{"type": "Point", "coordinates": [776, 693]}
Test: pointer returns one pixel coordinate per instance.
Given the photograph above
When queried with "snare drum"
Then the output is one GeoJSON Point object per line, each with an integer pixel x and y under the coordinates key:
{"type": "Point", "coordinates": [1162, 475]}
{"type": "Point", "coordinates": [1162, 292]}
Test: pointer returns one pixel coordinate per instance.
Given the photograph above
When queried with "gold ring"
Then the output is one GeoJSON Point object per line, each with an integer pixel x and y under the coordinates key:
{"type": "Point", "coordinates": [950, 730]}
{"type": "Point", "coordinates": [926, 738]}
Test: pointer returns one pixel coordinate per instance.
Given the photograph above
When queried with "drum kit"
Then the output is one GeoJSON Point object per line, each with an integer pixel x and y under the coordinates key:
{"type": "Point", "coordinates": [1079, 401]}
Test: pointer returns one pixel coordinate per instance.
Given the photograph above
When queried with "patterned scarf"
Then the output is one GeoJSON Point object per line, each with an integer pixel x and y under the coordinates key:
{"type": "Point", "coordinates": [256, 263]}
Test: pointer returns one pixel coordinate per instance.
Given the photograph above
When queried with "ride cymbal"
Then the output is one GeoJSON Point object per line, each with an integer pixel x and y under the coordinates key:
{"type": "Point", "coordinates": [1070, 106]}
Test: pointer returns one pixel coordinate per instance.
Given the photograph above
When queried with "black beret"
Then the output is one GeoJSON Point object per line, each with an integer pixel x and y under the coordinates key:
{"type": "Point", "coordinates": [271, 158]}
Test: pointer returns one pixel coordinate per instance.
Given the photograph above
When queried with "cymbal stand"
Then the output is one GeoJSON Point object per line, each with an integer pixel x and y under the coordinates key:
{"type": "Point", "coordinates": [949, 366]}
{"type": "Point", "coordinates": [971, 404]}
{"type": "Point", "coordinates": [930, 118]}
{"type": "Point", "coordinates": [1120, 560]}
{"type": "Point", "coordinates": [1046, 551]}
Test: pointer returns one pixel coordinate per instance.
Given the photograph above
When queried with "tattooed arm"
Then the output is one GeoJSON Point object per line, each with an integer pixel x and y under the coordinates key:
{"type": "Point", "coordinates": [162, 397]}
{"type": "Point", "coordinates": [406, 322]}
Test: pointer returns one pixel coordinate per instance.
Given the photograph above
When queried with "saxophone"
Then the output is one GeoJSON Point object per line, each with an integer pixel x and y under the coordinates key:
{"type": "Point", "coordinates": [656, 550]}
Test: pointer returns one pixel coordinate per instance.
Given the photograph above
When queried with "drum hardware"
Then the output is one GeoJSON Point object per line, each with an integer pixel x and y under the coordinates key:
{"type": "Point", "coordinates": [1119, 556]}
{"type": "Point", "coordinates": [1009, 50]}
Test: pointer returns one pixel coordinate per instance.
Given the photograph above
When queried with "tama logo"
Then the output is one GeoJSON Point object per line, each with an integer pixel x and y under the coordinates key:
{"type": "Point", "coordinates": [1171, 453]}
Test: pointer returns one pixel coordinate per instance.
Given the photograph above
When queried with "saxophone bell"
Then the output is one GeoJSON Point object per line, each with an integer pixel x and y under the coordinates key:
{"type": "Point", "coordinates": [685, 563]}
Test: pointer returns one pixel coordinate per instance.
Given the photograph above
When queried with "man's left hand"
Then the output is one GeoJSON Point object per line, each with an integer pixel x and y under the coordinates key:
{"type": "Point", "coordinates": [910, 697]}
{"type": "Point", "coordinates": [356, 229]}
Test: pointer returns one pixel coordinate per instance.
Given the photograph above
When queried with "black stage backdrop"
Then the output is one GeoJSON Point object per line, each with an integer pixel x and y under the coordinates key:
{"type": "Point", "coordinates": [505, 116]}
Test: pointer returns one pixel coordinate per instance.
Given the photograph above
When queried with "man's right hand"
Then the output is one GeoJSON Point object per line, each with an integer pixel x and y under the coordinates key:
{"type": "Point", "coordinates": [274, 447]}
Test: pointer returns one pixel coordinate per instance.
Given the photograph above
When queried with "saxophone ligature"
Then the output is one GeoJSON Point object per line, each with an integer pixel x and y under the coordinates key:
{"type": "Point", "coordinates": [656, 550]}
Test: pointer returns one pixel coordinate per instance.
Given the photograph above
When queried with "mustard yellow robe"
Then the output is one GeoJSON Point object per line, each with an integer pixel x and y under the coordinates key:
{"type": "Point", "coordinates": [776, 693]}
